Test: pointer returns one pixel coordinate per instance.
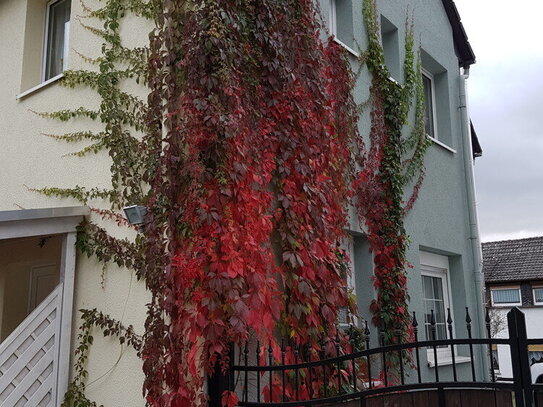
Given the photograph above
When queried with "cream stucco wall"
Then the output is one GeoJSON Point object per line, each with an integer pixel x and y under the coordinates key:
{"type": "Point", "coordinates": [29, 159]}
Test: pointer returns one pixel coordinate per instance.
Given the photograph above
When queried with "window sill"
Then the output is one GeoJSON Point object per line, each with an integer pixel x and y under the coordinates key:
{"type": "Point", "coordinates": [349, 49]}
{"type": "Point", "coordinates": [40, 86]}
{"type": "Point", "coordinates": [509, 305]}
{"type": "Point", "coordinates": [447, 360]}
{"type": "Point", "coordinates": [443, 145]}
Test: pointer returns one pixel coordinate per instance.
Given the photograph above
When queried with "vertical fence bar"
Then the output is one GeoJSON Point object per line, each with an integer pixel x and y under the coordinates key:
{"type": "Point", "coordinates": [270, 363]}
{"type": "Point", "coordinates": [220, 381]}
{"type": "Point", "coordinates": [451, 337]}
{"type": "Point", "coordinates": [230, 373]}
{"type": "Point", "coordinates": [322, 355]}
{"type": "Point", "coordinates": [246, 375]}
{"type": "Point", "coordinates": [296, 371]}
{"type": "Point", "coordinates": [519, 358]}
{"type": "Point", "coordinates": [283, 355]}
{"type": "Point", "coordinates": [400, 355]}
{"type": "Point", "coordinates": [489, 335]}
{"type": "Point", "coordinates": [368, 357]}
{"type": "Point", "coordinates": [258, 373]}
{"type": "Point", "coordinates": [433, 331]}
{"type": "Point", "coordinates": [384, 353]}
{"type": "Point", "coordinates": [416, 334]}
{"type": "Point", "coordinates": [468, 326]}
{"type": "Point", "coordinates": [338, 363]}
{"type": "Point", "coordinates": [310, 371]}
{"type": "Point", "coordinates": [353, 362]}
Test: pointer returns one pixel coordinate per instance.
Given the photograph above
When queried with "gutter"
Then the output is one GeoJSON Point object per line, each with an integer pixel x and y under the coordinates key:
{"type": "Point", "coordinates": [472, 211]}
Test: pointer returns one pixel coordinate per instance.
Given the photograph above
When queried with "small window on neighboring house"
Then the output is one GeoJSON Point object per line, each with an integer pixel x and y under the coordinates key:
{"type": "Point", "coordinates": [341, 22]}
{"type": "Point", "coordinates": [56, 38]}
{"type": "Point", "coordinates": [504, 297]}
{"type": "Point", "coordinates": [429, 105]}
{"type": "Point", "coordinates": [538, 295]}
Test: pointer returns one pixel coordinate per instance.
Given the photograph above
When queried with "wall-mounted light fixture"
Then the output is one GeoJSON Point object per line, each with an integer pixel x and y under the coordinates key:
{"type": "Point", "coordinates": [135, 214]}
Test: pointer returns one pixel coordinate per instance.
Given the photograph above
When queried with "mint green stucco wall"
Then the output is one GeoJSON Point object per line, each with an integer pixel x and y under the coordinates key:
{"type": "Point", "coordinates": [439, 221]}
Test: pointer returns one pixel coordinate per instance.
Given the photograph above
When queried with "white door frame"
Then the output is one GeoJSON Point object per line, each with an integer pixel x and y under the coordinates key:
{"type": "Point", "coordinates": [53, 221]}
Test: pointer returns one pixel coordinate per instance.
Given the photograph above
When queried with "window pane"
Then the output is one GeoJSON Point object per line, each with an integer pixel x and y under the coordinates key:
{"type": "Point", "coordinates": [441, 332]}
{"type": "Point", "coordinates": [57, 28]}
{"type": "Point", "coordinates": [428, 106]}
{"type": "Point", "coordinates": [344, 21]}
{"type": "Point", "coordinates": [439, 309]}
{"type": "Point", "coordinates": [427, 287]}
{"type": "Point", "coordinates": [495, 359]}
{"type": "Point", "coordinates": [433, 301]}
{"type": "Point", "coordinates": [538, 294]}
{"type": "Point", "coordinates": [507, 296]}
{"type": "Point", "coordinates": [438, 288]}
{"type": "Point", "coordinates": [343, 316]}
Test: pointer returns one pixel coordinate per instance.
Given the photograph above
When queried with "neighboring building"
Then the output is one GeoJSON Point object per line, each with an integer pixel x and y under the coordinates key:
{"type": "Point", "coordinates": [43, 282]}
{"type": "Point", "coordinates": [513, 272]}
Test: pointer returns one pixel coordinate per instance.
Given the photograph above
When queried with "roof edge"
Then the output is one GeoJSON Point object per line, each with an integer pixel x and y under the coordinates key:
{"type": "Point", "coordinates": [462, 47]}
{"type": "Point", "coordinates": [43, 213]}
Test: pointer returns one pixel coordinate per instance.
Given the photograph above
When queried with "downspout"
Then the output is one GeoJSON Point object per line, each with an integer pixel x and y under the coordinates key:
{"type": "Point", "coordinates": [472, 210]}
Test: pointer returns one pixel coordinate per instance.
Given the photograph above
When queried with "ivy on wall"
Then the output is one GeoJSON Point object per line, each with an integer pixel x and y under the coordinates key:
{"type": "Point", "coordinates": [247, 155]}
{"type": "Point", "coordinates": [391, 165]}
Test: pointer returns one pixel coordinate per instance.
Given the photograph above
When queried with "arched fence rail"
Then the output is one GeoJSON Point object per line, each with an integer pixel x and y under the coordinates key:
{"type": "Point", "coordinates": [384, 376]}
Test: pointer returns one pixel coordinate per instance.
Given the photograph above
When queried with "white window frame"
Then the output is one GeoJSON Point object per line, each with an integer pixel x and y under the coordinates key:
{"type": "Point", "coordinates": [46, 44]}
{"type": "Point", "coordinates": [332, 19]}
{"type": "Point", "coordinates": [505, 304]}
{"type": "Point", "coordinates": [435, 265]}
{"type": "Point", "coordinates": [348, 246]}
{"type": "Point", "coordinates": [430, 76]}
{"type": "Point", "coordinates": [441, 273]}
{"type": "Point", "coordinates": [332, 27]}
{"type": "Point", "coordinates": [533, 293]}
{"type": "Point", "coordinates": [43, 222]}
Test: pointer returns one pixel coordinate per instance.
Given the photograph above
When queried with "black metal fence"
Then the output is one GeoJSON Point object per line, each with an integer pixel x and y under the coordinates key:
{"type": "Point", "coordinates": [259, 380]}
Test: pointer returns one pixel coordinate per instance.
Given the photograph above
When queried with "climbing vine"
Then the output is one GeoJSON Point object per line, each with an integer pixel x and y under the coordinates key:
{"type": "Point", "coordinates": [391, 164]}
{"type": "Point", "coordinates": [247, 156]}
{"type": "Point", "coordinates": [257, 172]}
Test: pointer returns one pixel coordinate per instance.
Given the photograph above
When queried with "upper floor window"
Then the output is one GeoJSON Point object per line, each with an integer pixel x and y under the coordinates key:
{"type": "Point", "coordinates": [504, 297]}
{"type": "Point", "coordinates": [429, 105]}
{"type": "Point", "coordinates": [538, 295]}
{"type": "Point", "coordinates": [57, 31]}
{"type": "Point", "coordinates": [437, 115]}
{"type": "Point", "coordinates": [340, 23]}
{"type": "Point", "coordinates": [391, 48]}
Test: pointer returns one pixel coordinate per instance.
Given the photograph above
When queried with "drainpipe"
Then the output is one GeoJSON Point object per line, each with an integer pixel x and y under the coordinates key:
{"type": "Point", "coordinates": [472, 210]}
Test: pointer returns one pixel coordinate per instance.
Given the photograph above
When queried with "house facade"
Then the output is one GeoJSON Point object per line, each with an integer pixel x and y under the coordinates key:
{"type": "Point", "coordinates": [513, 272]}
{"type": "Point", "coordinates": [44, 281]}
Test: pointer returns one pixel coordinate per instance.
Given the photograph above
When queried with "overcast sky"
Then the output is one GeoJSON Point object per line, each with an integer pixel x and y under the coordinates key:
{"type": "Point", "coordinates": [506, 105]}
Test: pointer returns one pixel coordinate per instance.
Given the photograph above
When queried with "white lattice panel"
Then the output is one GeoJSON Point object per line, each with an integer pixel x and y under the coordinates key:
{"type": "Point", "coordinates": [27, 358]}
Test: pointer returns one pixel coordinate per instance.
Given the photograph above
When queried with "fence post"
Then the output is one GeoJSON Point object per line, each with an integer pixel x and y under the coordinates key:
{"type": "Point", "coordinates": [220, 381]}
{"type": "Point", "coordinates": [519, 357]}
